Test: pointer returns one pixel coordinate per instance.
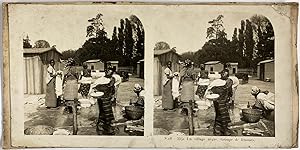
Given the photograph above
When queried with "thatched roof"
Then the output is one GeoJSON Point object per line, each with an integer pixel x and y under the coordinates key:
{"type": "Point", "coordinates": [39, 50]}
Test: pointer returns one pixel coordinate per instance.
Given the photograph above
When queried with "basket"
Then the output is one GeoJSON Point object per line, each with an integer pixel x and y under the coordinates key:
{"type": "Point", "coordinates": [39, 130]}
{"type": "Point", "coordinates": [251, 115]}
{"type": "Point", "coordinates": [134, 112]}
{"type": "Point", "coordinates": [71, 90]}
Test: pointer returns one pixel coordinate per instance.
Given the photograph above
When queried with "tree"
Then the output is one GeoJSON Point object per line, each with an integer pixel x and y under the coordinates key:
{"type": "Point", "coordinates": [138, 36]}
{"type": "Point", "coordinates": [140, 44]}
{"type": "Point", "coordinates": [265, 38]}
{"type": "Point", "coordinates": [126, 44]}
{"type": "Point", "coordinates": [41, 44]}
{"type": "Point", "coordinates": [26, 42]}
{"type": "Point", "coordinates": [129, 42]}
{"type": "Point", "coordinates": [234, 47]}
{"type": "Point", "coordinates": [114, 45]}
{"type": "Point", "coordinates": [216, 29]}
{"type": "Point", "coordinates": [68, 54]}
{"type": "Point", "coordinates": [121, 36]}
{"type": "Point", "coordinates": [190, 56]}
{"type": "Point", "coordinates": [218, 46]}
{"type": "Point", "coordinates": [96, 28]}
{"type": "Point", "coordinates": [97, 46]}
{"type": "Point", "coordinates": [249, 44]}
{"type": "Point", "coordinates": [265, 45]}
{"type": "Point", "coordinates": [270, 39]}
{"type": "Point", "coordinates": [259, 21]}
{"type": "Point", "coordinates": [161, 46]}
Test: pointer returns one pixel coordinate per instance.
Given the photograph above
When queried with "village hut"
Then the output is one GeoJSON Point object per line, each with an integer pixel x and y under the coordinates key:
{"type": "Point", "coordinates": [140, 68]}
{"type": "Point", "coordinates": [36, 61]}
{"type": "Point", "coordinates": [213, 66]}
{"type": "Point", "coordinates": [266, 70]}
{"type": "Point", "coordinates": [95, 64]}
{"type": "Point", "coordinates": [114, 64]}
{"type": "Point", "coordinates": [161, 58]}
{"type": "Point", "coordinates": [233, 69]}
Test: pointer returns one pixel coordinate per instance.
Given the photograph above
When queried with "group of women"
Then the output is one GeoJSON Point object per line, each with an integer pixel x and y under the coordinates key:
{"type": "Point", "coordinates": [56, 80]}
{"type": "Point", "coordinates": [172, 83]}
{"type": "Point", "coordinates": [186, 78]}
{"type": "Point", "coordinates": [69, 84]}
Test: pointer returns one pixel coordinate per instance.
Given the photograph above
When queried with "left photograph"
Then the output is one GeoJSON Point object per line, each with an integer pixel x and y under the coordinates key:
{"type": "Point", "coordinates": [83, 74]}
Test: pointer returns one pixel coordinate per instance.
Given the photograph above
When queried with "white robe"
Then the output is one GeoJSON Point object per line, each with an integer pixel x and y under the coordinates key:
{"type": "Point", "coordinates": [59, 85]}
{"type": "Point", "coordinates": [175, 87]}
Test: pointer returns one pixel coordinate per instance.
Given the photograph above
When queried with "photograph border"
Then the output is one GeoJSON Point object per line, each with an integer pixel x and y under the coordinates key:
{"type": "Point", "coordinates": [150, 140]}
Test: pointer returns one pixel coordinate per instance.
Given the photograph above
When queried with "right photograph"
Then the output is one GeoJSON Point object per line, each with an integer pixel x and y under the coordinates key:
{"type": "Point", "coordinates": [219, 82]}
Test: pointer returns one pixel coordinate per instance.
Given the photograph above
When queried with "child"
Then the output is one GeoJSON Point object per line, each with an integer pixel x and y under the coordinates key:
{"type": "Point", "coordinates": [175, 88]}
{"type": "Point", "coordinates": [59, 86]}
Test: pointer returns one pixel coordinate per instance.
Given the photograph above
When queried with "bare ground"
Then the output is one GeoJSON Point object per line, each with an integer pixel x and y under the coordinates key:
{"type": "Point", "coordinates": [204, 119]}
{"type": "Point", "coordinates": [37, 114]}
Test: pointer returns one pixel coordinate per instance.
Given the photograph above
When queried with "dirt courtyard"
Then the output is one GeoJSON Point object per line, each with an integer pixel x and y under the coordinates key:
{"type": "Point", "coordinates": [37, 114]}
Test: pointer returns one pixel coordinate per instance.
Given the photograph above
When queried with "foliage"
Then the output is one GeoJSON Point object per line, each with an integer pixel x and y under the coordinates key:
{"type": "Point", "coordinates": [216, 29]}
{"type": "Point", "coordinates": [126, 44]}
{"type": "Point", "coordinates": [217, 46]}
{"type": "Point", "coordinates": [189, 55]}
{"type": "Point", "coordinates": [249, 44]}
{"type": "Point", "coordinates": [252, 42]}
{"type": "Point", "coordinates": [161, 46]}
{"type": "Point", "coordinates": [265, 38]}
{"type": "Point", "coordinates": [68, 54]}
{"type": "Point", "coordinates": [41, 44]}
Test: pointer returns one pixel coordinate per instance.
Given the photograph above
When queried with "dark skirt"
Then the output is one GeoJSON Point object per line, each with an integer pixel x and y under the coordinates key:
{"type": "Point", "coordinates": [201, 90]}
{"type": "Point", "coordinates": [84, 89]}
{"type": "Point", "coordinates": [167, 100]}
{"type": "Point", "coordinates": [105, 110]}
{"type": "Point", "coordinates": [222, 118]}
{"type": "Point", "coordinates": [71, 90]}
{"type": "Point", "coordinates": [50, 99]}
{"type": "Point", "coordinates": [188, 92]}
{"type": "Point", "coordinates": [105, 116]}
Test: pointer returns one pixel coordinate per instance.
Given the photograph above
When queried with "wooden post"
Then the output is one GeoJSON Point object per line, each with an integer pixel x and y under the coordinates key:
{"type": "Point", "coordinates": [73, 104]}
{"type": "Point", "coordinates": [190, 116]}
{"type": "Point", "coordinates": [75, 127]}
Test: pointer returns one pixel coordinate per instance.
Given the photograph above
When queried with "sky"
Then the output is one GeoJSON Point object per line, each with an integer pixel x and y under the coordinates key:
{"type": "Point", "coordinates": [181, 27]}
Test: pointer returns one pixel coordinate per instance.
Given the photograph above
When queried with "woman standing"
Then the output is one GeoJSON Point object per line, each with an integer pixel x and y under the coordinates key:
{"type": "Point", "coordinates": [70, 80]}
{"type": "Point", "coordinates": [51, 99]}
{"type": "Point", "coordinates": [187, 82]}
{"type": "Point", "coordinates": [203, 82]}
{"type": "Point", "coordinates": [222, 118]}
{"type": "Point", "coordinates": [105, 84]}
{"type": "Point", "coordinates": [167, 100]}
{"type": "Point", "coordinates": [85, 87]}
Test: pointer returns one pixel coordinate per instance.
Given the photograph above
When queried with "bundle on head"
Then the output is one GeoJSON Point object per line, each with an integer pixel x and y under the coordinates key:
{"type": "Point", "coordinates": [71, 62]}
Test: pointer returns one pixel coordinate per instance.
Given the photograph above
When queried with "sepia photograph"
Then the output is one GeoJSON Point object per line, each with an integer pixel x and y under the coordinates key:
{"type": "Point", "coordinates": [83, 79]}
{"type": "Point", "coordinates": [150, 75]}
{"type": "Point", "coordinates": [219, 83]}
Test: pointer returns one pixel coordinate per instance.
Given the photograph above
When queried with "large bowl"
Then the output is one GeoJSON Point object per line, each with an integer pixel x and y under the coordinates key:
{"type": "Point", "coordinates": [212, 97]}
{"type": "Point", "coordinates": [97, 94]}
{"type": "Point", "coordinates": [85, 81]}
{"type": "Point", "coordinates": [134, 112]}
{"type": "Point", "coordinates": [251, 115]}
